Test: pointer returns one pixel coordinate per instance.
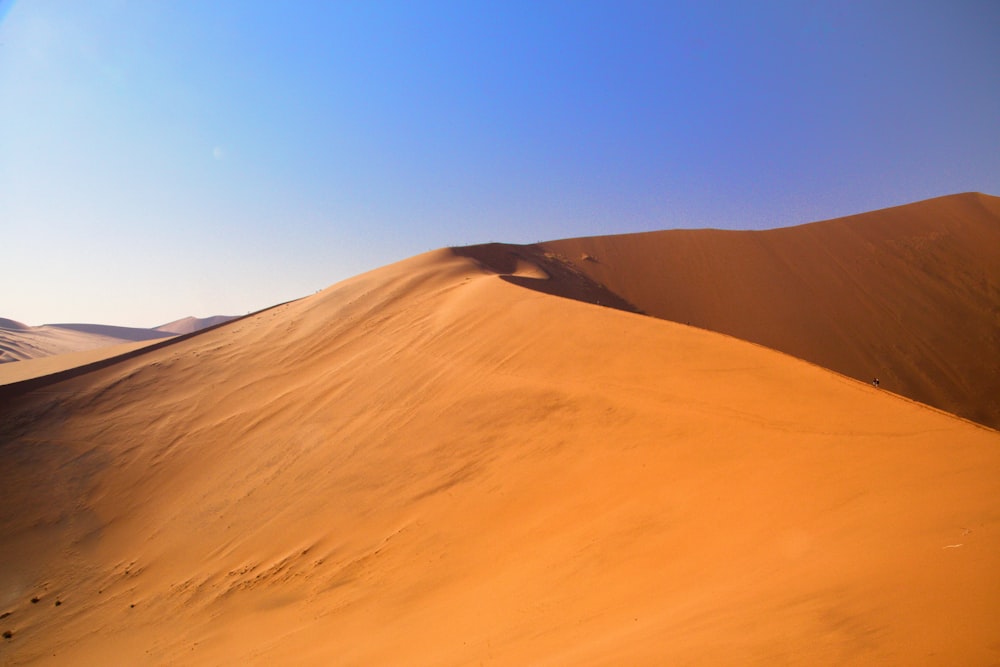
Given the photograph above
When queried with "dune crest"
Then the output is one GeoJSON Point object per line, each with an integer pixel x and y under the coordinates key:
{"type": "Point", "coordinates": [910, 294]}
{"type": "Point", "coordinates": [12, 324]}
{"type": "Point", "coordinates": [430, 465]}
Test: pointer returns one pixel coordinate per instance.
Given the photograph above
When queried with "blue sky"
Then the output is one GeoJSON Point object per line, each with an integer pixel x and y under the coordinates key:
{"type": "Point", "coordinates": [160, 159]}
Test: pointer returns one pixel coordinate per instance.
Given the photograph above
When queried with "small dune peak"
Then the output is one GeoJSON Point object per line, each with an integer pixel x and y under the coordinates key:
{"type": "Point", "coordinates": [190, 324]}
{"type": "Point", "coordinates": [12, 324]}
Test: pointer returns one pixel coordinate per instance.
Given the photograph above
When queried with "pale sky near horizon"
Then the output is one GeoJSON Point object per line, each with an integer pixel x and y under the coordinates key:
{"type": "Point", "coordinates": [162, 159]}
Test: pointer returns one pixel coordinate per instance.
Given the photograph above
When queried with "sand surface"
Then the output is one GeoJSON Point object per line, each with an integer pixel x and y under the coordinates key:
{"type": "Point", "coordinates": [188, 325]}
{"type": "Point", "coordinates": [430, 464]}
{"type": "Point", "coordinates": [45, 341]}
{"type": "Point", "coordinates": [909, 294]}
{"type": "Point", "coordinates": [19, 342]}
{"type": "Point", "coordinates": [42, 366]}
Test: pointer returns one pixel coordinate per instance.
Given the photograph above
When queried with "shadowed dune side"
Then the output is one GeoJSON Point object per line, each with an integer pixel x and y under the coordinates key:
{"type": "Point", "coordinates": [428, 465]}
{"type": "Point", "coordinates": [6, 323]}
{"type": "Point", "coordinates": [534, 267]}
{"type": "Point", "coordinates": [909, 294]}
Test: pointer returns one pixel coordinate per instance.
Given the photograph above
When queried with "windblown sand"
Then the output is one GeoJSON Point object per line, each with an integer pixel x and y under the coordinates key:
{"type": "Point", "coordinates": [48, 365]}
{"type": "Point", "coordinates": [432, 465]}
{"type": "Point", "coordinates": [909, 294]}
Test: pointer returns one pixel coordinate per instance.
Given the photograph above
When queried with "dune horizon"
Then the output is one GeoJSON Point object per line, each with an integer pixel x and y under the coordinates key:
{"type": "Point", "coordinates": [830, 292]}
{"type": "Point", "coordinates": [448, 461]}
{"type": "Point", "coordinates": [20, 342]}
{"type": "Point", "coordinates": [61, 346]}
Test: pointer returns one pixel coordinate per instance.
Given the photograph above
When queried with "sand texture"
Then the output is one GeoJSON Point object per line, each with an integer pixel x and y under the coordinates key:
{"type": "Point", "coordinates": [909, 294]}
{"type": "Point", "coordinates": [39, 372]}
{"type": "Point", "coordinates": [430, 464]}
{"type": "Point", "coordinates": [65, 363]}
{"type": "Point", "coordinates": [19, 342]}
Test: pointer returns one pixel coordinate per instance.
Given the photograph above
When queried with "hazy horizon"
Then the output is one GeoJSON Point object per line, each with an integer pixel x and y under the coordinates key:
{"type": "Point", "coordinates": [165, 160]}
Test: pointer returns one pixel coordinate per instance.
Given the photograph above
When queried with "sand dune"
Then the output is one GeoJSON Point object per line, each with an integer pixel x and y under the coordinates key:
{"type": "Point", "coordinates": [34, 373]}
{"type": "Point", "coordinates": [12, 324]}
{"type": "Point", "coordinates": [431, 465]}
{"type": "Point", "coordinates": [132, 334]}
{"type": "Point", "coordinates": [909, 294]}
{"type": "Point", "coordinates": [43, 366]}
{"type": "Point", "coordinates": [21, 342]}
{"type": "Point", "coordinates": [188, 325]}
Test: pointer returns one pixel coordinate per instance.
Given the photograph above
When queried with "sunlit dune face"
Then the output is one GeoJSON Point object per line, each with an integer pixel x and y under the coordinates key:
{"type": "Point", "coordinates": [434, 464]}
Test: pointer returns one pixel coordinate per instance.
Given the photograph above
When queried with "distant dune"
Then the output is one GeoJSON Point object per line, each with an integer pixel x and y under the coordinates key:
{"type": "Point", "coordinates": [191, 324]}
{"type": "Point", "coordinates": [121, 333]}
{"type": "Point", "coordinates": [20, 342]}
{"type": "Point", "coordinates": [910, 295]}
{"type": "Point", "coordinates": [44, 369]}
{"type": "Point", "coordinates": [11, 324]}
{"type": "Point", "coordinates": [431, 465]}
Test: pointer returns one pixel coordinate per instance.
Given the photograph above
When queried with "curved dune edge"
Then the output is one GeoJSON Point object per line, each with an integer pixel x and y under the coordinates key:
{"type": "Point", "coordinates": [429, 465]}
{"type": "Point", "coordinates": [909, 294]}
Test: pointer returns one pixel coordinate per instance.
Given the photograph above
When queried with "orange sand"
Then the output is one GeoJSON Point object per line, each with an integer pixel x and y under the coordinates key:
{"type": "Point", "coordinates": [45, 365]}
{"type": "Point", "coordinates": [909, 294]}
{"type": "Point", "coordinates": [431, 465]}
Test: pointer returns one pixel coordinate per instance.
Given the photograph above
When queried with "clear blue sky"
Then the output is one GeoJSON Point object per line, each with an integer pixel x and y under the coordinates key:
{"type": "Point", "coordinates": [165, 158]}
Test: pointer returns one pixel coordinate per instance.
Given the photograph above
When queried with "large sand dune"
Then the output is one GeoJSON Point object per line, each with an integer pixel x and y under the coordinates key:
{"type": "Point", "coordinates": [909, 294]}
{"type": "Point", "coordinates": [432, 465]}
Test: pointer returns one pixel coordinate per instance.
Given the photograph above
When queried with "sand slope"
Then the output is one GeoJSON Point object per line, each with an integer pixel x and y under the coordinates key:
{"type": "Point", "coordinates": [86, 342]}
{"type": "Point", "coordinates": [41, 367]}
{"type": "Point", "coordinates": [188, 325]}
{"type": "Point", "coordinates": [31, 374]}
{"type": "Point", "coordinates": [431, 465]}
{"type": "Point", "coordinates": [19, 342]}
{"type": "Point", "coordinates": [909, 294]}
